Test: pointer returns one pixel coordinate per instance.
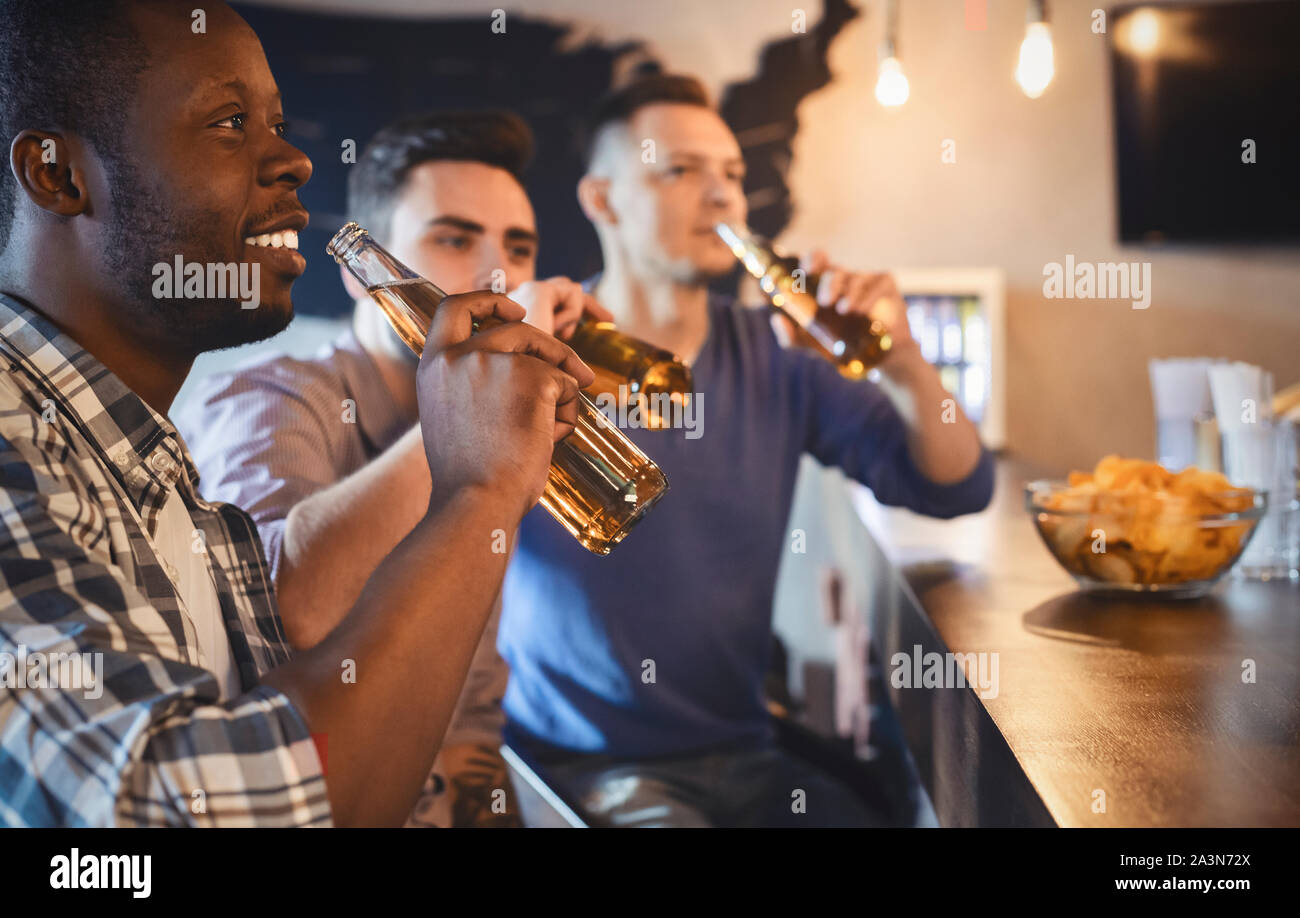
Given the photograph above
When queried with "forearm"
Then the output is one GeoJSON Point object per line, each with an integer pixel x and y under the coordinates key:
{"type": "Point", "coordinates": [334, 539]}
{"type": "Point", "coordinates": [410, 638]}
{"type": "Point", "coordinates": [942, 441]}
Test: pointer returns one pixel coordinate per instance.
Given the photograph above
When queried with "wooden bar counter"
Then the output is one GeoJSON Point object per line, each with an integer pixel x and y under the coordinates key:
{"type": "Point", "coordinates": [1107, 712]}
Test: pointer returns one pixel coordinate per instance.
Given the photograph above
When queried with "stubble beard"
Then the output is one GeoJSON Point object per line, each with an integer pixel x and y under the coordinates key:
{"type": "Point", "coordinates": [145, 230]}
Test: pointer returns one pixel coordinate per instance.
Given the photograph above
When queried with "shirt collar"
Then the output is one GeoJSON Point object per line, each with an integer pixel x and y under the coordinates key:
{"type": "Point", "coordinates": [139, 445]}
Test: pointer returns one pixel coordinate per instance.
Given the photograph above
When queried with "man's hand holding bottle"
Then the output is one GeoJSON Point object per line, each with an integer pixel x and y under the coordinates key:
{"type": "Point", "coordinates": [493, 405]}
{"type": "Point", "coordinates": [556, 305]}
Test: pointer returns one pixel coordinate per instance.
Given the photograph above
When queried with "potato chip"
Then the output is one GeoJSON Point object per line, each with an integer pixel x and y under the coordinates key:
{"type": "Point", "coordinates": [1152, 522]}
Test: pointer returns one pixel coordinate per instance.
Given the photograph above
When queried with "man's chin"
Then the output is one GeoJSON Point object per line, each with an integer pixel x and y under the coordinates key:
{"type": "Point", "coordinates": [238, 326]}
{"type": "Point", "coordinates": [707, 271]}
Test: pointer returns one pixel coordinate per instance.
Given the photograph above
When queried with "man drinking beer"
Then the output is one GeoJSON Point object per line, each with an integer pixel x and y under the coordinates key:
{"type": "Point", "coordinates": [637, 678]}
{"type": "Point", "coordinates": [175, 148]}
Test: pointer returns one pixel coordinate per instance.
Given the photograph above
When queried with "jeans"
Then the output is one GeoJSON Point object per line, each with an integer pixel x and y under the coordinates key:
{"type": "Point", "coordinates": [748, 785]}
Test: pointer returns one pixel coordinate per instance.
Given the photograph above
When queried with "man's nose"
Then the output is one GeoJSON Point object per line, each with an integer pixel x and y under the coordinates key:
{"type": "Point", "coordinates": [287, 164]}
{"type": "Point", "coordinates": [493, 270]}
{"type": "Point", "coordinates": [721, 192]}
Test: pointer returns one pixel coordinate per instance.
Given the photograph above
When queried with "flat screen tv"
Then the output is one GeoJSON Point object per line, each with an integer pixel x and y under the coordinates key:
{"type": "Point", "coordinates": [1207, 121]}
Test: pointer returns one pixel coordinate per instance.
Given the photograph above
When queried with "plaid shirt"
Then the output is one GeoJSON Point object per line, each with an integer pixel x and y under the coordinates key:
{"type": "Point", "coordinates": [85, 467]}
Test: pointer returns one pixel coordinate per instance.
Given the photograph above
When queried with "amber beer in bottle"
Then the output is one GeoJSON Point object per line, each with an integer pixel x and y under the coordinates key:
{"type": "Point", "coordinates": [854, 343]}
{"type": "Point", "coordinates": [656, 377]}
{"type": "Point", "coordinates": [600, 483]}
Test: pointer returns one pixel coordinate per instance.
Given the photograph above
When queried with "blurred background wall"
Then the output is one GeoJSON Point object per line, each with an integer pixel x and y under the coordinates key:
{"type": "Point", "coordinates": [1032, 182]}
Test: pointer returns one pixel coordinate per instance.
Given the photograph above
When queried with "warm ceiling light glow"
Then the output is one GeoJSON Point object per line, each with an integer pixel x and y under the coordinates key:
{"type": "Point", "coordinates": [1144, 32]}
{"type": "Point", "coordinates": [891, 86]}
{"type": "Point", "coordinates": [1036, 67]}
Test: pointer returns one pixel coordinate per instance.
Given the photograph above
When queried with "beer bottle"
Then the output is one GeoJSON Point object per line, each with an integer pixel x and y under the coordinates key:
{"type": "Point", "coordinates": [854, 343]}
{"type": "Point", "coordinates": [656, 377]}
{"type": "Point", "coordinates": [600, 484]}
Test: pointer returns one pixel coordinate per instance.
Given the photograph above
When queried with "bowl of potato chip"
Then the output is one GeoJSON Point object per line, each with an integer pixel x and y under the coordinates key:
{"type": "Point", "coordinates": [1133, 527]}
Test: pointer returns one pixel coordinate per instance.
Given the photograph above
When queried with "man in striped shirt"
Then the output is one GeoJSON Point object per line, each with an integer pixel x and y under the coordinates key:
{"type": "Point", "coordinates": [325, 453]}
{"type": "Point", "coordinates": [197, 713]}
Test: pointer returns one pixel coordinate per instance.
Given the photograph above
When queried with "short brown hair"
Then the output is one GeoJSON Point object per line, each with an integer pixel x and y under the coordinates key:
{"type": "Point", "coordinates": [494, 138]}
{"type": "Point", "coordinates": [655, 88]}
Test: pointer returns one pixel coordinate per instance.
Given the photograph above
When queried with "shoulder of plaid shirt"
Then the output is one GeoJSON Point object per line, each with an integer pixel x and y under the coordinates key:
{"type": "Point", "coordinates": [78, 575]}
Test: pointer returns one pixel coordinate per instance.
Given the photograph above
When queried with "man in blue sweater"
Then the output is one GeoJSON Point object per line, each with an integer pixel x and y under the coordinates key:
{"type": "Point", "coordinates": [637, 678]}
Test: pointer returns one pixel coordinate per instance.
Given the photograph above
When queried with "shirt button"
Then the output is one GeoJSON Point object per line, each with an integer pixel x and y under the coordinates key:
{"type": "Point", "coordinates": [122, 459]}
{"type": "Point", "coordinates": [160, 463]}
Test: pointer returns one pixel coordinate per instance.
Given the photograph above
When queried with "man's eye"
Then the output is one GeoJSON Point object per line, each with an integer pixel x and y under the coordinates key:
{"type": "Point", "coordinates": [235, 121]}
{"type": "Point", "coordinates": [282, 129]}
{"type": "Point", "coordinates": [453, 242]}
{"type": "Point", "coordinates": [522, 252]}
{"type": "Point", "coordinates": [737, 177]}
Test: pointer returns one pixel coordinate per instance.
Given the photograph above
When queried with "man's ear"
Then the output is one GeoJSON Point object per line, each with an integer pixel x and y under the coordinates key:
{"type": "Point", "coordinates": [593, 197]}
{"type": "Point", "coordinates": [352, 285]}
{"type": "Point", "coordinates": [42, 162]}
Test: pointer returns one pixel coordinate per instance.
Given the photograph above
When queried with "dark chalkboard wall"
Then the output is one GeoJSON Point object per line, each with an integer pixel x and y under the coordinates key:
{"type": "Point", "coordinates": [344, 77]}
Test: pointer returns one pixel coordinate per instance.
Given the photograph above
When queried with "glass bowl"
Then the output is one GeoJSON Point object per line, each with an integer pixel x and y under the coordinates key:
{"type": "Point", "coordinates": [1127, 542]}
